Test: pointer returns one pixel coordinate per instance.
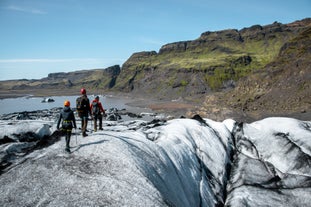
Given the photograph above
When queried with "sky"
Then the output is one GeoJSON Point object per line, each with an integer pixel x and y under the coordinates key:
{"type": "Point", "coordinates": [39, 37]}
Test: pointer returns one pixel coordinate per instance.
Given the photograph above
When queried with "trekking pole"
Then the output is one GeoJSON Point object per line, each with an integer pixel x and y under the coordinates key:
{"type": "Point", "coordinates": [91, 123]}
{"type": "Point", "coordinates": [76, 137]}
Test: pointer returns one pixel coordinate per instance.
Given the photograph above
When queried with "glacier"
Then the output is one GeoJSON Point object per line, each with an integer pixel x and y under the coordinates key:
{"type": "Point", "coordinates": [178, 162]}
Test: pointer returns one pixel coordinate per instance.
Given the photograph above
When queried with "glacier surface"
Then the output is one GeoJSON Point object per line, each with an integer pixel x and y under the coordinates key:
{"type": "Point", "coordinates": [180, 162]}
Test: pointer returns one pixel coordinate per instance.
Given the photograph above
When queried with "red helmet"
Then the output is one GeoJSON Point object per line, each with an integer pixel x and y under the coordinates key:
{"type": "Point", "coordinates": [67, 103]}
{"type": "Point", "coordinates": [83, 91]}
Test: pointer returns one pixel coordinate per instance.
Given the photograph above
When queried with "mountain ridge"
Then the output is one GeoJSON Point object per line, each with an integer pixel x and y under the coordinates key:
{"type": "Point", "coordinates": [218, 67]}
{"type": "Point", "coordinates": [64, 83]}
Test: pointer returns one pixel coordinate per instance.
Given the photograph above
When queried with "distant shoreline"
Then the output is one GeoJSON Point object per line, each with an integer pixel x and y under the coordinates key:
{"type": "Point", "coordinates": [175, 109]}
{"type": "Point", "coordinates": [36, 93]}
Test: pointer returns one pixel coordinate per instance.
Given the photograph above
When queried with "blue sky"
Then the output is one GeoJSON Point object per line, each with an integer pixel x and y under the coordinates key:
{"type": "Point", "coordinates": [39, 37]}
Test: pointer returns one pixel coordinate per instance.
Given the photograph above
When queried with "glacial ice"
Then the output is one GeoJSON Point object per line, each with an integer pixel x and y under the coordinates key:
{"type": "Point", "coordinates": [181, 162]}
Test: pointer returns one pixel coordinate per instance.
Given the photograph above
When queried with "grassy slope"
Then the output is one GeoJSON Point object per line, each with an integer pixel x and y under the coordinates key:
{"type": "Point", "coordinates": [283, 87]}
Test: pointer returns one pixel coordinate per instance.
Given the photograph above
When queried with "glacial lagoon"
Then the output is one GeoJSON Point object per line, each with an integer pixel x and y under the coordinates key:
{"type": "Point", "coordinates": [31, 103]}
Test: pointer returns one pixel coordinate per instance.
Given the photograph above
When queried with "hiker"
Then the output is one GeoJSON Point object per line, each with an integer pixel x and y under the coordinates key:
{"type": "Point", "coordinates": [83, 108]}
{"type": "Point", "coordinates": [68, 122]}
{"type": "Point", "coordinates": [97, 110]}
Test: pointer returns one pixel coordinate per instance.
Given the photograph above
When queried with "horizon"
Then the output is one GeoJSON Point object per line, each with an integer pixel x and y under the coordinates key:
{"type": "Point", "coordinates": [66, 36]}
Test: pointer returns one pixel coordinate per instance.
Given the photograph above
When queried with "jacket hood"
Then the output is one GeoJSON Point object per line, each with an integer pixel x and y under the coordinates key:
{"type": "Point", "coordinates": [66, 109]}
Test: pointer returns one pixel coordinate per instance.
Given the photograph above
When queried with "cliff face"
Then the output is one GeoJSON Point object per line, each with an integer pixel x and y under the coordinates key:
{"type": "Point", "coordinates": [213, 62]}
{"type": "Point", "coordinates": [282, 87]}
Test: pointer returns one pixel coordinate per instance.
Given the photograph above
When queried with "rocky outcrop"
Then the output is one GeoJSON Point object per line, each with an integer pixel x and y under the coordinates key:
{"type": "Point", "coordinates": [175, 47]}
{"type": "Point", "coordinates": [255, 32]}
{"type": "Point", "coordinates": [224, 35]}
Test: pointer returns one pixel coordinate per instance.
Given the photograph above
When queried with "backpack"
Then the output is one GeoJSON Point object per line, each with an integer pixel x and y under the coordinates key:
{"type": "Point", "coordinates": [95, 108]}
{"type": "Point", "coordinates": [81, 105]}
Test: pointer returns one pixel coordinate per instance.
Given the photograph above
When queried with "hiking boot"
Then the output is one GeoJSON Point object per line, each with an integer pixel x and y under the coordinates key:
{"type": "Point", "coordinates": [101, 129]}
{"type": "Point", "coordinates": [67, 150]}
{"type": "Point", "coordinates": [84, 134]}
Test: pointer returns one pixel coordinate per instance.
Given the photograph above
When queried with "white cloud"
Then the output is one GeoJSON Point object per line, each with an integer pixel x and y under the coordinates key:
{"type": "Point", "coordinates": [26, 10]}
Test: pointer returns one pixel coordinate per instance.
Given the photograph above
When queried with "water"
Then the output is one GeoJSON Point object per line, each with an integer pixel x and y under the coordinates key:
{"type": "Point", "coordinates": [30, 103]}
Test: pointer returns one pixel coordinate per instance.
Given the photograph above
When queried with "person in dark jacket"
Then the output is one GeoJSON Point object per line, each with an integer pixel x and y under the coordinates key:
{"type": "Point", "coordinates": [84, 110]}
{"type": "Point", "coordinates": [68, 122]}
{"type": "Point", "coordinates": [97, 110]}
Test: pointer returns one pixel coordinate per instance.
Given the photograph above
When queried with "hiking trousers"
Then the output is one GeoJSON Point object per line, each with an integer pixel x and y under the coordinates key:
{"type": "Point", "coordinates": [98, 117]}
{"type": "Point", "coordinates": [67, 132]}
{"type": "Point", "coordinates": [84, 120]}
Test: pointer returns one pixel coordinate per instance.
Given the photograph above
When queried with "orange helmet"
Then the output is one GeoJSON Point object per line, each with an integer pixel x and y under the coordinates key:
{"type": "Point", "coordinates": [83, 91]}
{"type": "Point", "coordinates": [67, 103]}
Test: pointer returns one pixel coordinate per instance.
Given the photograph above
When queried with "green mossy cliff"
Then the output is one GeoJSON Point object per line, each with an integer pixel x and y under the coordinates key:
{"type": "Point", "coordinates": [281, 88]}
{"type": "Point", "coordinates": [213, 62]}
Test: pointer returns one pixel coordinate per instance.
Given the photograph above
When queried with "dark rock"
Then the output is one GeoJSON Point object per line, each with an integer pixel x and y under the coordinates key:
{"type": "Point", "coordinates": [6, 139]}
{"type": "Point", "coordinates": [23, 116]}
{"type": "Point", "coordinates": [199, 119]}
{"type": "Point", "coordinates": [47, 100]}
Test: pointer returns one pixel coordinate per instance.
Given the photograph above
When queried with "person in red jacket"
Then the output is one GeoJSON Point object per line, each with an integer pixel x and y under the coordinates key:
{"type": "Point", "coordinates": [97, 110]}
